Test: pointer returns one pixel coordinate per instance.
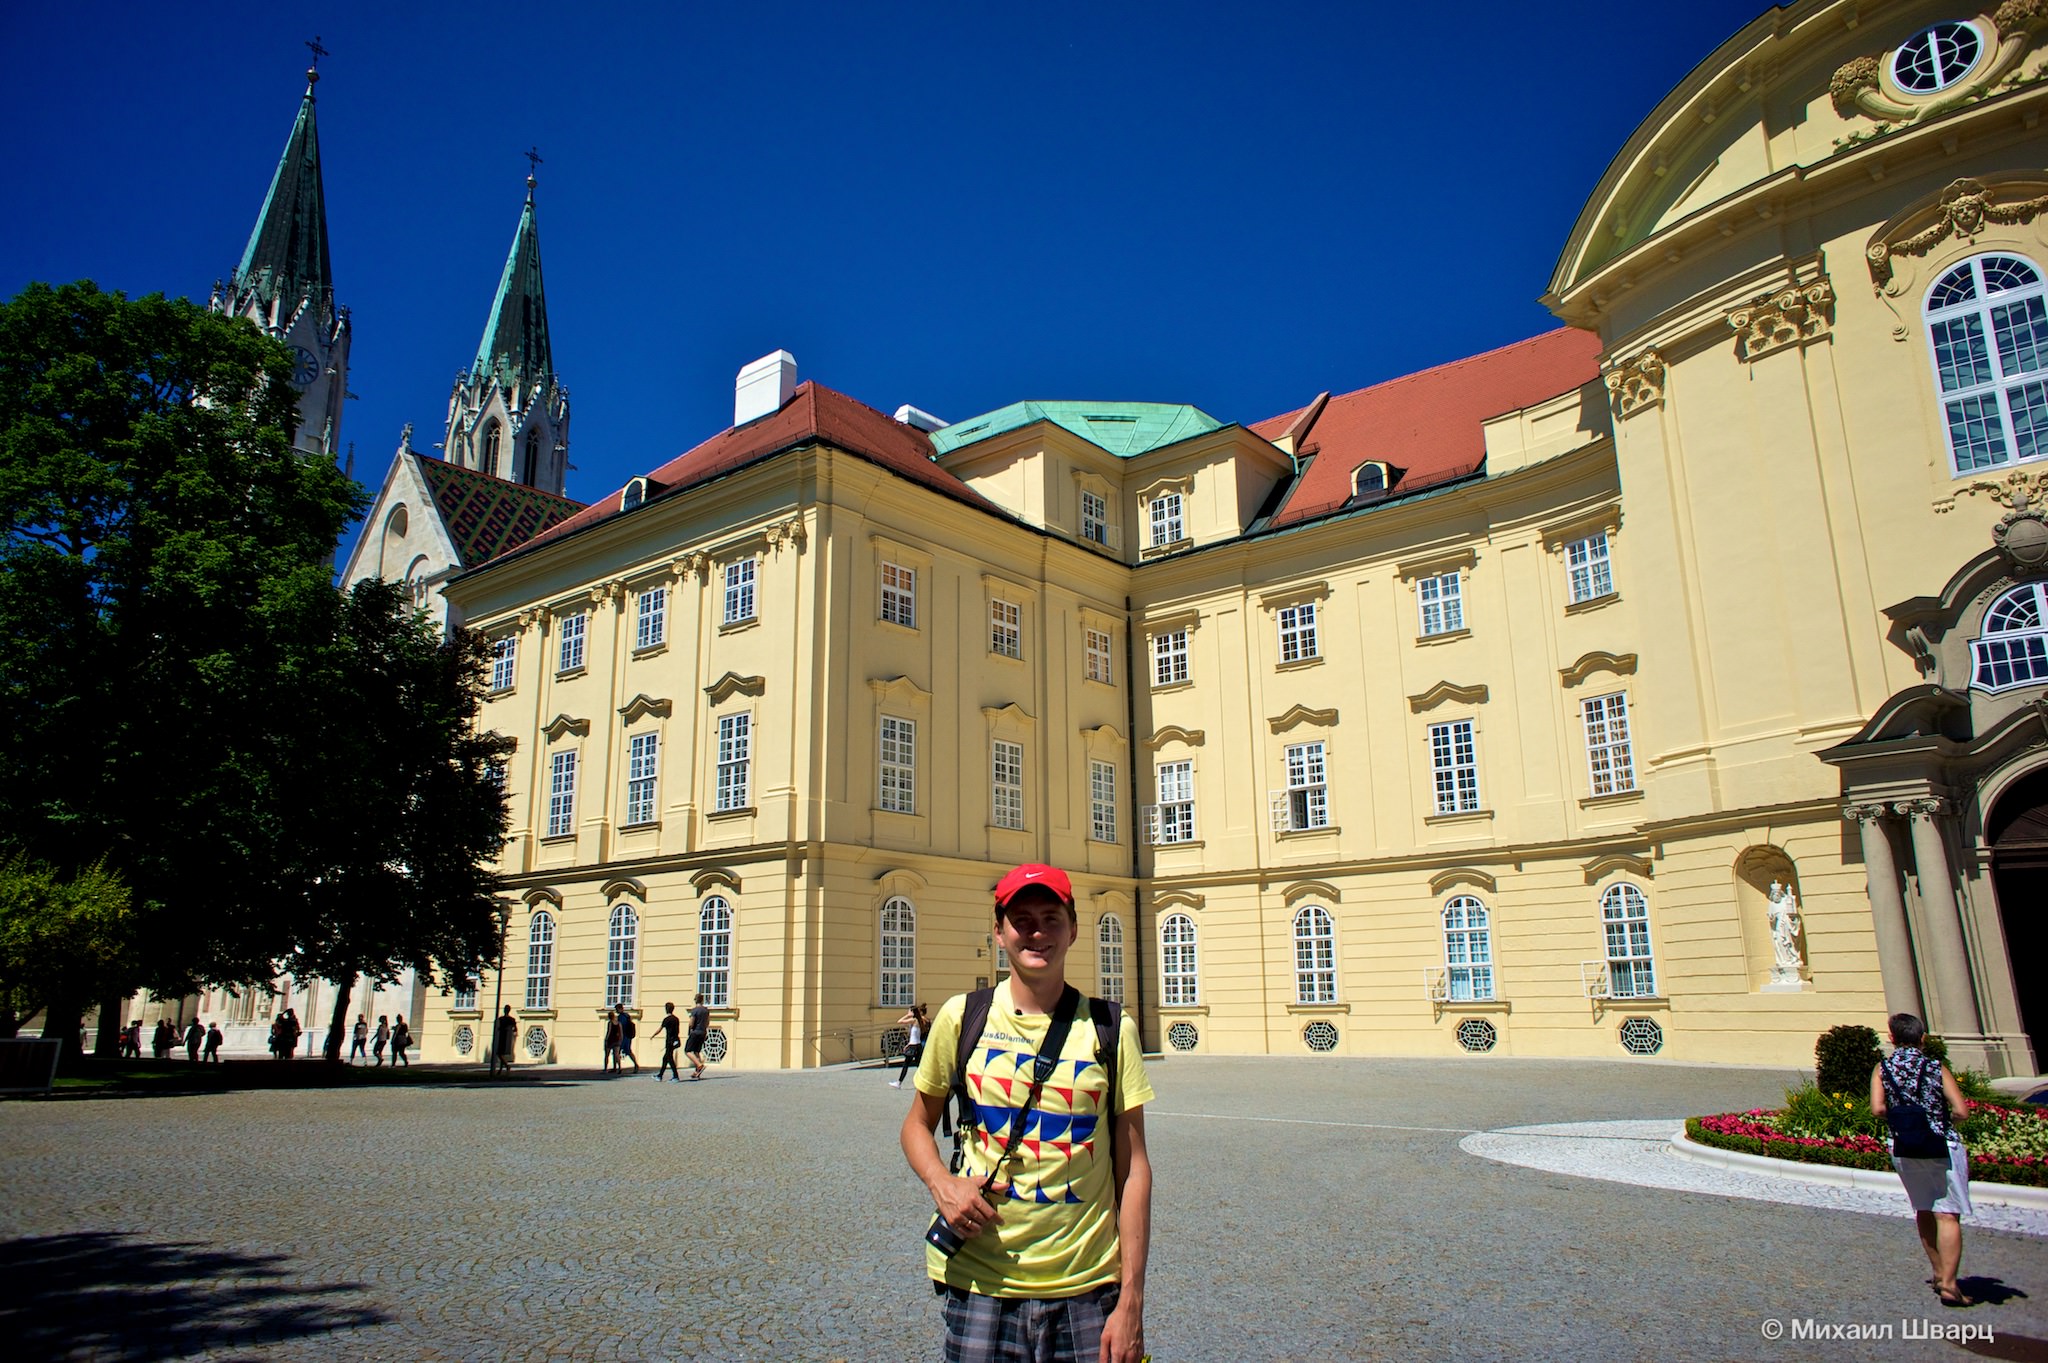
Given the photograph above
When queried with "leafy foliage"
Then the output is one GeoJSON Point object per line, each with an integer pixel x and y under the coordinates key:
{"type": "Point", "coordinates": [1809, 1111]}
{"type": "Point", "coordinates": [59, 936]}
{"type": "Point", "coordinates": [1843, 1059]}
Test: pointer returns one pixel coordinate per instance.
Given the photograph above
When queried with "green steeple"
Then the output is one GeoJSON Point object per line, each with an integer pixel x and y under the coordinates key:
{"type": "Point", "coordinates": [287, 253]}
{"type": "Point", "coordinates": [515, 344]}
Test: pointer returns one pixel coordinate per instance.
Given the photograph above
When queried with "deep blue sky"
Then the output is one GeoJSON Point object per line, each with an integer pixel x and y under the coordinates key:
{"type": "Point", "coordinates": [954, 205]}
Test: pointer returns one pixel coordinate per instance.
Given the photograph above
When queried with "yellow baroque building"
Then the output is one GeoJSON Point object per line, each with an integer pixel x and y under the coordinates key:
{"type": "Point", "coordinates": [1675, 683]}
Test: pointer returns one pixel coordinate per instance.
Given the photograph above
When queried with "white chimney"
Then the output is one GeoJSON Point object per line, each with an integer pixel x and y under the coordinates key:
{"type": "Point", "coordinates": [922, 420]}
{"type": "Point", "coordinates": [763, 387]}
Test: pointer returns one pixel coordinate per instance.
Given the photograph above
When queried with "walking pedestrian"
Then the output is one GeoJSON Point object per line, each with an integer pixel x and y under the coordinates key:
{"type": "Point", "coordinates": [507, 1037]}
{"type": "Point", "coordinates": [1918, 1099]}
{"type": "Point", "coordinates": [213, 1043]}
{"type": "Point", "coordinates": [195, 1037]}
{"type": "Point", "coordinates": [131, 1040]}
{"type": "Point", "coordinates": [362, 1040]}
{"type": "Point", "coordinates": [611, 1042]}
{"type": "Point", "coordinates": [401, 1037]}
{"type": "Point", "coordinates": [700, 1032]}
{"type": "Point", "coordinates": [627, 1030]}
{"type": "Point", "coordinates": [160, 1041]}
{"type": "Point", "coordinates": [382, 1038]}
{"type": "Point", "coordinates": [671, 1042]}
{"type": "Point", "coordinates": [913, 1049]}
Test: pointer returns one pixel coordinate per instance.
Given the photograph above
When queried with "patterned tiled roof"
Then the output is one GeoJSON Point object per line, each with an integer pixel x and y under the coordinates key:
{"type": "Point", "coordinates": [486, 516]}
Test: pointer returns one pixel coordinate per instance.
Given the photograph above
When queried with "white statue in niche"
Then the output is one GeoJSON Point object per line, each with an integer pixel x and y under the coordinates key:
{"type": "Point", "coordinates": [1784, 911]}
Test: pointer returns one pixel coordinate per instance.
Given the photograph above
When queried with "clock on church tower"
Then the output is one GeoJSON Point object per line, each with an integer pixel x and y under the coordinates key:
{"type": "Point", "coordinates": [305, 366]}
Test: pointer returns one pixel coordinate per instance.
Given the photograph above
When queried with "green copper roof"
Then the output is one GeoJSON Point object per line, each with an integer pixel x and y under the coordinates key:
{"type": "Point", "coordinates": [290, 240]}
{"type": "Point", "coordinates": [1126, 429]}
{"type": "Point", "coordinates": [515, 340]}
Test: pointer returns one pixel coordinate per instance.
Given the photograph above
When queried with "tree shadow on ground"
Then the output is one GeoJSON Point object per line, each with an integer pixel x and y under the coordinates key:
{"type": "Point", "coordinates": [93, 1077]}
{"type": "Point", "coordinates": [124, 1299]}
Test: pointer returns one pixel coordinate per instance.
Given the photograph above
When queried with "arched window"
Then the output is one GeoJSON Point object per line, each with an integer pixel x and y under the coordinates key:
{"type": "Point", "coordinates": [489, 462]}
{"type": "Point", "coordinates": [899, 954]}
{"type": "Point", "coordinates": [1625, 914]}
{"type": "Point", "coordinates": [618, 961]}
{"type": "Point", "coordinates": [1315, 956]}
{"type": "Point", "coordinates": [1109, 958]}
{"type": "Point", "coordinates": [1468, 950]}
{"type": "Point", "coordinates": [540, 961]}
{"type": "Point", "coordinates": [530, 475]}
{"type": "Point", "coordinates": [1987, 321]}
{"type": "Point", "coordinates": [714, 953]}
{"type": "Point", "coordinates": [1177, 969]}
{"type": "Point", "coordinates": [2013, 650]}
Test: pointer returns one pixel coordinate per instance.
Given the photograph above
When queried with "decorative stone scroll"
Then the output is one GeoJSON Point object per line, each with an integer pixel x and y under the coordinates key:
{"type": "Point", "coordinates": [790, 531]}
{"type": "Point", "coordinates": [1966, 206]}
{"type": "Point", "coordinates": [1859, 85]}
{"type": "Point", "coordinates": [1787, 317]}
{"type": "Point", "coordinates": [1636, 383]}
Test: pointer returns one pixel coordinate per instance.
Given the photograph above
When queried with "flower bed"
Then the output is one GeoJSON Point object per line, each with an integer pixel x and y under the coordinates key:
{"type": "Point", "coordinates": [2006, 1144]}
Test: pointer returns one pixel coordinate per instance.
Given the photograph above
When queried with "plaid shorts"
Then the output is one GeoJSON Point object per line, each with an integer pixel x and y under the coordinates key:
{"type": "Point", "coordinates": [1027, 1329]}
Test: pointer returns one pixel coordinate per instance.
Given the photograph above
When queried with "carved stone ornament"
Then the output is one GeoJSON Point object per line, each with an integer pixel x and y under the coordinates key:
{"type": "Point", "coordinates": [1636, 383]}
{"type": "Point", "coordinates": [1966, 206]}
{"type": "Point", "coordinates": [607, 591]}
{"type": "Point", "coordinates": [1859, 85]}
{"type": "Point", "coordinates": [2016, 491]}
{"type": "Point", "coordinates": [1790, 316]}
{"type": "Point", "coordinates": [2022, 533]}
{"type": "Point", "coordinates": [790, 531]}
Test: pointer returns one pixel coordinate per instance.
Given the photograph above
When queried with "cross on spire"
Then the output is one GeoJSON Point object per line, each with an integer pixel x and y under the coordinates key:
{"type": "Point", "coordinates": [313, 70]}
{"type": "Point", "coordinates": [533, 164]}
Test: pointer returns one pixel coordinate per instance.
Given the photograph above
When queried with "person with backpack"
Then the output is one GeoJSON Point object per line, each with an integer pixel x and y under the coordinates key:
{"type": "Point", "coordinates": [1916, 1096]}
{"type": "Point", "coordinates": [1044, 1219]}
{"type": "Point", "coordinates": [628, 1029]}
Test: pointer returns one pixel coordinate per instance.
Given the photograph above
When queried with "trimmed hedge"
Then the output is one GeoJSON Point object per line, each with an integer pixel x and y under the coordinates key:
{"type": "Point", "coordinates": [1804, 1152]}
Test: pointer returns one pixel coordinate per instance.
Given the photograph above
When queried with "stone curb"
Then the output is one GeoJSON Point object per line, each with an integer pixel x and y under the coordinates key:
{"type": "Point", "coordinates": [1998, 1194]}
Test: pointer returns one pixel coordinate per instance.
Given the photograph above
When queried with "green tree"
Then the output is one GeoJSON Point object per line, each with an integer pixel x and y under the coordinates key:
{"type": "Point", "coordinates": [59, 937]}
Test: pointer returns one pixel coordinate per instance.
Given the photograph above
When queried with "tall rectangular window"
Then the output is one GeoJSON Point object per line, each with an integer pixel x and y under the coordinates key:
{"type": "Point", "coordinates": [653, 618]}
{"type": "Point", "coordinates": [1442, 602]}
{"type": "Point", "coordinates": [1308, 796]}
{"type": "Point", "coordinates": [1454, 765]}
{"type": "Point", "coordinates": [1094, 518]}
{"type": "Point", "coordinates": [739, 591]}
{"type": "Point", "coordinates": [899, 765]}
{"type": "Point", "coordinates": [1166, 520]}
{"type": "Point", "coordinates": [504, 661]}
{"type": "Point", "coordinates": [642, 757]}
{"type": "Point", "coordinates": [573, 630]}
{"type": "Point", "coordinates": [1102, 801]}
{"type": "Point", "coordinates": [1007, 798]}
{"type": "Point", "coordinates": [1592, 577]}
{"type": "Point", "coordinates": [1298, 633]}
{"type": "Point", "coordinates": [562, 794]}
{"type": "Point", "coordinates": [1608, 756]}
{"type": "Point", "coordinates": [1170, 657]}
{"type": "Point", "coordinates": [1005, 629]}
{"type": "Point", "coordinates": [899, 595]}
{"type": "Point", "coordinates": [1179, 974]}
{"type": "Point", "coordinates": [1176, 818]}
{"type": "Point", "coordinates": [735, 761]}
{"type": "Point", "coordinates": [1101, 662]}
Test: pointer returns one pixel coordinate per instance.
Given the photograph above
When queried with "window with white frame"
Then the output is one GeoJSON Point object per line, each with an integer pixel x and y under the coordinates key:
{"type": "Point", "coordinates": [1109, 959]}
{"type": "Point", "coordinates": [1610, 761]}
{"type": "Point", "coordinates": [1298, 633]}
{"type": "Point", "coordinates": [573, 629]}
{"type": "Point", "coordinates": [1308, 797]}
{"type": "Point", "coordinates": [739, 591]}
{"type": "Point", "coordinates": [1166, 520]}
{"type": "Point", "coordinates": [1174, 819]}
{"type": "Point", "coordinates": [735, 761]}
{"type": "Point", "coordinates": [714, 952]}
{"type": "Point", "coordinates": [1625, 914]}
{"type": "Point", "coordinates": [1315, 956]}
{"type": "Point", "coordinates": [1468, 950]}
{"type": "Point", "coordinates": [540, 960]}
{"type": "Point", "coordinates": [504, 661]}
{"type": "Point", "coordinates": [1102, 801]}
{"type": "Point", "coordinates": [464, 998]}
{"type": "Point", "coordinates": [2013, 649]}
{"type": "Point", "coordinates": [1094, 517]}
{"type": "Point", "coordinates": [562, 794]}
{"type": "Point", "coordinates": [899, 765]}
{"type": "Point", "coordinates": [1005, 628]}
{"type": "Point", "coordinates": [1585, 560]}
{"type": "Point", "coordinates": [643, 756]}
{"type": "Point", "coordinates": [622, 947]}
{"type": "Point", "coordinates": [1006, 798]}
{"type": "Point", "coordinates": [1170, 657]}
{"type": "Point", "coordinates": [899, 595]}
{"type": "Point", "coordinates": [1987, 322]}
{"type": "Point", "coordinates": [1454, 767]}
{"type": "Point", "coordinates": [899, 953]}
{"type": "Point", "coordinates": [652, 621]}
{"type": "Point", "coordinates": [1178, 972]}
{"type": "Point", "coordinates": [1442, 602]}
{"type": "Point", "coordinates": [1101, 664]}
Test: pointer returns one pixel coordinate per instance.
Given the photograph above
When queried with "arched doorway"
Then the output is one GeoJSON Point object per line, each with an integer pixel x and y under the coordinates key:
{"type": "Point", "coordinates": [2018, 833]}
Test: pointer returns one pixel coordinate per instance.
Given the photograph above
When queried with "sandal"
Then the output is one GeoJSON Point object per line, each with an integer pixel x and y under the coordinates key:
{"type": "Point", "coordinates": [1954, 1299]}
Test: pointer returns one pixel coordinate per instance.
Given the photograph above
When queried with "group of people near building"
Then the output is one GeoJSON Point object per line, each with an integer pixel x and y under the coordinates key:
{"type": "Point", "coordinates": [397, 1036]}
{"type": "Point", "coordinates": [198, 1041]}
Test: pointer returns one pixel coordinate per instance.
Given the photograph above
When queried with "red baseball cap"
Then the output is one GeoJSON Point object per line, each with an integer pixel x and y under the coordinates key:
{"type": "Point", "coordinates": [1024, 877]}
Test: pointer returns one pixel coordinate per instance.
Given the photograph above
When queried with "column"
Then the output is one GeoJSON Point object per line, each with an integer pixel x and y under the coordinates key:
{"type": "Point", "coordinates": [1887, 910]}
{"type": "Point", "coordinates": [1948, 962]}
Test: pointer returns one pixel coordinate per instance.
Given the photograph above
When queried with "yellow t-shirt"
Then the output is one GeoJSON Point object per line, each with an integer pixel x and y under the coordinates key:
{"type": "Point", "coordinates": [1058, 1235]}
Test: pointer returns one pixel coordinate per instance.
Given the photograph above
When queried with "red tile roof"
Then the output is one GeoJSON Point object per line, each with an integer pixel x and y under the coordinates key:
{"type": "Point", "coordinates": [813, 413]}
{"type": "Point", "coordinates": [1428, 423]}
{"type": "Point", "coordinates": [486, 515]}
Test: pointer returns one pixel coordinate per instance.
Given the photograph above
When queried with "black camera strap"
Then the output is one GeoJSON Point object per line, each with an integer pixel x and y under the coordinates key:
{"type": "Point", "coordinates": [1042, 1067]}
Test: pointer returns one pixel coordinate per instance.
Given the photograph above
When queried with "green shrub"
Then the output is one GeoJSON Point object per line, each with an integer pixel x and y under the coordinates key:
{"type": "Point", "coordinates": [1978, 1089]}
{"type": "Point", "coordinates": [1936, 1047]}
{"type": "Point", "coordinates": [1810, 1112]}
{"type": "Point", "coordinates": [1843, 1059]}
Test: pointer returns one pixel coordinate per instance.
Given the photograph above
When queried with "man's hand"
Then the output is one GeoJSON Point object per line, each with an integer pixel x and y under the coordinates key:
{"type": "Point", "coordinates": [1123, 1334]}
{"type": "Point", "coordinates": [959, 1200]}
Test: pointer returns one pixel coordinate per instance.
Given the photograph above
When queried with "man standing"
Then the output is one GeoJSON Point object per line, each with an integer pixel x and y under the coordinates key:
{"type": "Point", "coordinates": [671, 1041]}
{"type": "Point", "coordinates": [213, 1041]}
{"type": "Point", "coordinates": [1052, 1213]}
{"type": "Point", "coordinates": [700, 1032]}
{"type": "Point", "coordinates": [628, 1029]}
{"type": "Point", "coordinates": [501, 1046]}
{"type": "Point", "coordinates": [360, 1048]}
{"type": "Point", "coordinates": [195, 1037]}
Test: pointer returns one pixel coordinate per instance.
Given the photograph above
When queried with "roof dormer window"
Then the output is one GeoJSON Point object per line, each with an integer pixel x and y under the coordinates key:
{"type": "Point", "coordinates": [634, 494]}
{"type": "Point", "coordinates": [1370, 479]}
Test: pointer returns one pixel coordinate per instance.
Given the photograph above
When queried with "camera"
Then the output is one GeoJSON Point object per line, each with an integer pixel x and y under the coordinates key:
{"type": "Point", "coordinates": [942, 1237]}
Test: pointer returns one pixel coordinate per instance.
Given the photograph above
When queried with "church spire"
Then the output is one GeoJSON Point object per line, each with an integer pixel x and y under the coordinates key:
{"type": "Point", "coordinates": [515, 344]}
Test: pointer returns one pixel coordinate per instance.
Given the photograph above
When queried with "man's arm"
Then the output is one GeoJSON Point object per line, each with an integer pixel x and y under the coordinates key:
{"type": "Point", "coordinates": [959, 1200]}
{"type": "Point", "coordinates": [1123, 1336]}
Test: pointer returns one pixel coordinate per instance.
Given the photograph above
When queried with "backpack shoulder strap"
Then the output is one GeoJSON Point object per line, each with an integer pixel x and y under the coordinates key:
{"type": "Point", "coordinates": [973, 1018]}
{"type": "Point", "coordinates": [1108, 1018]}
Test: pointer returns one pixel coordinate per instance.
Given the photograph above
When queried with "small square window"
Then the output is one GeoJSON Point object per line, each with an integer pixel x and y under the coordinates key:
{"type": "Point", "coordinates": [1298, 633]}
{"type": "Point", "coordinates": [1442, 602]}
{"type": "Point", "coordinates": [899, 595]}
{"type": "Point", "coordinates": [1166, 520]}
{"type": "Point", "coordinates": [1592, 576]}
{"type": "Point", "coordinates": [1005, 629]}
{"type": "Point", "coordinates": [1170, 658]}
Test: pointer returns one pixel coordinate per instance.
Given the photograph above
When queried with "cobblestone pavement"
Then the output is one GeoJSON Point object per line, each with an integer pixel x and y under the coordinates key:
{"type": "Point", "coordinates": [1308, 1209]}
